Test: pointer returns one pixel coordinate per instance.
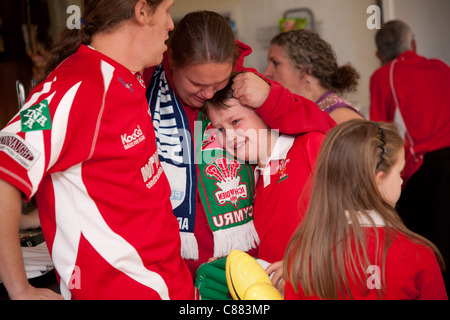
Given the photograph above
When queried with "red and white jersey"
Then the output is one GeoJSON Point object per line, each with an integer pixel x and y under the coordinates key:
{"type": "Point", "coordinates": [281, 192]}
{"type": "Point", "coordinates": [411, 270]}
{"type": "Point", "coordinates": [84, 144]}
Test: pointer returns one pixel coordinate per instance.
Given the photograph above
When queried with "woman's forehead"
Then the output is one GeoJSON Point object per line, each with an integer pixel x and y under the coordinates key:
{"type": "Point", "coordinates": [208, 74]}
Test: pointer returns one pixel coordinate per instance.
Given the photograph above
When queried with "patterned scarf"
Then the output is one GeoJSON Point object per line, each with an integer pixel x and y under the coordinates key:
{"type": "Point", "coordinates": [226, 188]}
{"type": "Point", "coordinates": [175, 148]}
{"type": "Point", "coordinates": [225, 185]}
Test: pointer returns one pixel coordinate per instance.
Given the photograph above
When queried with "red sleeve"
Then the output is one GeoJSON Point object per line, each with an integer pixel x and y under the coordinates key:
{"type": "Point", "coordinates": [429, 280]}
{"type": "Point", "coordinates": [293, 114]}
{"type": "Point", "coordinates": [282, 110]}
{"type": "Point", "coordinates": [244, 51]}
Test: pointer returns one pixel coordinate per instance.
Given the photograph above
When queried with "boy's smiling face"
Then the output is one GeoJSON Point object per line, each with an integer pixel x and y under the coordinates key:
{"type": "Point", "coordinates": [241, 131]}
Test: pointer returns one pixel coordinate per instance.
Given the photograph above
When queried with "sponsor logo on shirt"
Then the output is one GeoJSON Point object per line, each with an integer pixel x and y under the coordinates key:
{"type": "Point", "coordinates": [152, 171]}
{"type": "Point", "coordinates": [129, 85]}
{"type": "Point", "coordinates": [15, 147]}
{"type": "Point", "coordinates": [126, 84]}
{"type": "Point", "coordinates": [36, 118]}
{"type": "Point", "coordinates": [132, 139]}
{"type": "Point", "coordinates": [225, 171]}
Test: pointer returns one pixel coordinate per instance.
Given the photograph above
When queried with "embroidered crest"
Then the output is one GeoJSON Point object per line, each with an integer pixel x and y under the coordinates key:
{"type": "Point", "coordinates": [282, 168]}
{"type": "Point", "coordinates": [225, 171]}
{"type": "Point", "coordinates": [36, 117]}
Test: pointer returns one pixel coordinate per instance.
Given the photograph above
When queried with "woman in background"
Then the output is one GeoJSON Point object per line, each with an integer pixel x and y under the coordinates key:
{"type": "Point", "coordinates": [306, 65]}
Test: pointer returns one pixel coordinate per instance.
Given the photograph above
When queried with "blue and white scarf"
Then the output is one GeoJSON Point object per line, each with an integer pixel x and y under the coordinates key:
{"type": "Point", "coordinates": [176, 153]}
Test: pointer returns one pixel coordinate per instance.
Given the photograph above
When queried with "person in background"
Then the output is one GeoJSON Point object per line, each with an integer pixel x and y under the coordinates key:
{"type": "Point", "coordinates": [84, 144]}
{"type": "Point", "coordinates": [410, 91]}
{"type": "Point", "coordinates": [283, 169]}
{"type": "Point", "coordinates": [202, 54]}
{"type": "Point", "coordinates": [352, 244]}
{"type": "Point", "coordinates": [306, 64]}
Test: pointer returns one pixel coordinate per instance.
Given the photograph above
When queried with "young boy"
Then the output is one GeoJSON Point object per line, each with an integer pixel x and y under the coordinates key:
{"type": "Point", "coordinates": [283, 167]}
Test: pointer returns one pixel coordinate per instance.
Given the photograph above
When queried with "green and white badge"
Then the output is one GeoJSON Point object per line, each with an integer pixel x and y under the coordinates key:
{"type": "Point", "coordinates": [36, 118]}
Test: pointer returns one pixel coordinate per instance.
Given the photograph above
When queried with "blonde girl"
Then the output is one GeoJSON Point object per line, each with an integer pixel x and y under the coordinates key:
{"type": "Point", "coordinates": [351, 243]}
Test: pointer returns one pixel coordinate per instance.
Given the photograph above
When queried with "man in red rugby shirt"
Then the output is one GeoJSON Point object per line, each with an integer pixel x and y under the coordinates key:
{"type": "Point", "coordinates": [411, 91]}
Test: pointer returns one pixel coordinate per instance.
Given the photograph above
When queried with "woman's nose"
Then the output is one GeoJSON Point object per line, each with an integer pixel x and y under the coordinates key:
{"type": "Point", "coordinates": [268, 72]}
{"type": "Point", "coordinates": [208, 93]}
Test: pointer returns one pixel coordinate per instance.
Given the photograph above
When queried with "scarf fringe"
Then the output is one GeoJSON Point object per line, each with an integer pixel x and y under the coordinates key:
{"type": "Point", "coordinates": [189, 246]}
{"type": "Point", "coordinates": [243, 237]}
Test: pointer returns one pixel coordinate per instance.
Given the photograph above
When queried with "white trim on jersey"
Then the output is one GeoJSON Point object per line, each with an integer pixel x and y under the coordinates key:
{"type": "Point", "coordinates": [59, 123]}
{"type": "Point", "coordinates": [78, 214]}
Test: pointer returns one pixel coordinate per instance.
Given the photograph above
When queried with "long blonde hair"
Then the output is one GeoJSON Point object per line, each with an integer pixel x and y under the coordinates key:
{"type": "Point", "coordinates": [326, 246]}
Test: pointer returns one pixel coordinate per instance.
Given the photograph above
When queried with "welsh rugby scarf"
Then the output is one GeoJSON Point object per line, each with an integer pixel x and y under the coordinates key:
{"type": "Point", "coordinates": [224, 184]}
{"type": "Point", "coordinates": [226, 188]}
{"type": "Point", "coordinates": [175, 148]}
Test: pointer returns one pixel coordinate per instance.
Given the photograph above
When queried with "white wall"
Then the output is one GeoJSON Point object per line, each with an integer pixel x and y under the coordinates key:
{"type": "Point", "coordinates": [340, 22]}
{"type": "Point", "coordinates": [430, 22]}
